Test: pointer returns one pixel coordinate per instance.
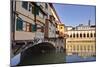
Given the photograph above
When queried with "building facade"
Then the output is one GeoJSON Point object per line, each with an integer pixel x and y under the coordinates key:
{"type": "Point", "coordinates": [29, 21]}
{"type": "Point", "coordinates": [81, 40]}
{"type": "Point", "coordinates": [53, 31]}
{"type": "Point", "coordinates": [33, 21]}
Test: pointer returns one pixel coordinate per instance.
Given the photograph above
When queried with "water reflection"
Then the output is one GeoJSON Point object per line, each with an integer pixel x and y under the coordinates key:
{"type": "Point", "coordinates": [49, 58]}
{"type": "Point", "coordinates": [75, 58]}
{"type": "Point", "coordinates": [52, 58]}
{"type": "Point", "coordinates": [15, 60]}
{"type": "Point", "coordinates": [44, 58]}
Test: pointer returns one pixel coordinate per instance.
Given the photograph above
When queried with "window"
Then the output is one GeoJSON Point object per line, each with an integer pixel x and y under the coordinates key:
{"type": "Point", "coordinates": [80, 35]}
{"type": "Point", "coordinates": [30, 7]}
{"type": "Point", "coordinates": [46, 5]}
{"type": "Point", "coordinates": [25, 5]}
{"type": "Point", "coordinates": [34, 28]}
{"type": "Point", "coordinates": [77, 35]}
{"type": "Point", "coordinates": [74, 35]}
{"type": "Point", "coordinates": [19, 24]}
{"type": "Point", "coordinates": [28, 27]}
{"type": "Point", "coordinates": [70, 35]}
{"type": "Point", "coordinates": [36, 10]}
{"type": "Point", "coordinates": [87, 34]}
{"type": "Point", "coordinates": [91, 35]}
{"type": "Point", "coordinates": [31, 27]}
{"type": "Point", "coordinates": [84, 35]}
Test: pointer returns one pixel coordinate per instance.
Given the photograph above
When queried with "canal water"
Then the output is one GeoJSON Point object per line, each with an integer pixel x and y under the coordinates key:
{"type": "Point", "coordinates": [45, 58]}
{"type": "Point", "coordinates": [53, 58]}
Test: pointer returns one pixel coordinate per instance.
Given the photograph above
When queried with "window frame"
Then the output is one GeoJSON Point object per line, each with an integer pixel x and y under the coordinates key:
{"type": "Point", "coordinates": [18, 28]}
{"type": "Point", "coordinates": [87, 34]}
{"type": "Point", "coordinates": [25, 5]}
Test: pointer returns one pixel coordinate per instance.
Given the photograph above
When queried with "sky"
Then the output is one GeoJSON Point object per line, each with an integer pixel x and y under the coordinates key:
{"type": "Point", "coordinates": [73, 15]}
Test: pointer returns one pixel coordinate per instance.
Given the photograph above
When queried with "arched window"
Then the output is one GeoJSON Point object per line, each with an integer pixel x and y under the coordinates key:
{"type": "Point", "coordinates": [80, 35]}
{"type": "Point", "coordinates": [71, 36]}
{"type": "Point", "coordinates": [87, 34]}
{"type": "Point", "coordinates": [74, 35]}
{"type": "Point", "coordinates": [84, 35]}
{"type": "Point", "coordinates": [91, 35]}
{"type": "Point", "coordinates": [77, 35]}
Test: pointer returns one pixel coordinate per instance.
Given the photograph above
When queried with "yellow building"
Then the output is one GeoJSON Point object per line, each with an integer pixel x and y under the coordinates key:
{"type": "Point", "coordinates": [81, 40]}
{"type": "Point", "coordinates": [61, 28]}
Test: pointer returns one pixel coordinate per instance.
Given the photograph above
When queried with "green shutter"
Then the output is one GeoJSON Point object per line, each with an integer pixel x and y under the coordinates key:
{"type": "Point", "coordinates": [19, 24]}
{"type": "Point", "coordinates": [36, 10]}
{"type": "Point", "coordinates": [34, 28]}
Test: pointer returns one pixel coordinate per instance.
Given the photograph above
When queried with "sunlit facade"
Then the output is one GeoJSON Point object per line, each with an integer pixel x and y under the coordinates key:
{"type": "Point", "coordinates": [81, 40]}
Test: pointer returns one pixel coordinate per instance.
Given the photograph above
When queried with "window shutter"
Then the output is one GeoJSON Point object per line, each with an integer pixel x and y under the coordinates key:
{"type": "Point", "coordinates": [19, 24]}
{"type": "Point", "coordinates": [34, 28]}
{"type": "Point", "coordinates": [25, 5]}
{"type": "Point", "coordinates": [36, 10]}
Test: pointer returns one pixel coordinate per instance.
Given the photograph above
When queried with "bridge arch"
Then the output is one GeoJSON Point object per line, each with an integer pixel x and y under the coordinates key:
{"type": "Point", "coordinates": [41, 48]}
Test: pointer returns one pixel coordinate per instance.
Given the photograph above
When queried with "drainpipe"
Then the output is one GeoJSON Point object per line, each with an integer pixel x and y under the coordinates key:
{"type": "Point", "coordinates": [13, 9]}
{"type": "Point", "coordinates": [13, 18]}
{"type": "Point", "coordinates": [35, 18]}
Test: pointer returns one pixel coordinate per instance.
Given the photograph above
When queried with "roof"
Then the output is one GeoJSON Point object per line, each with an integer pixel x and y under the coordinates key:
{"type": "Point", "coordinates": [54, 11]}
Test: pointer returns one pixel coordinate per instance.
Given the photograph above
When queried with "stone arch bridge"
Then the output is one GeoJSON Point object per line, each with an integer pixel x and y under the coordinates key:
{"type": "Point", "coordinates": [39, 46]}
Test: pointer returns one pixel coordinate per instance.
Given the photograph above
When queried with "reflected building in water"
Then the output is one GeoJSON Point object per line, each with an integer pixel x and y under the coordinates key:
{"type": "Point", "coordinates": [81, 40]}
